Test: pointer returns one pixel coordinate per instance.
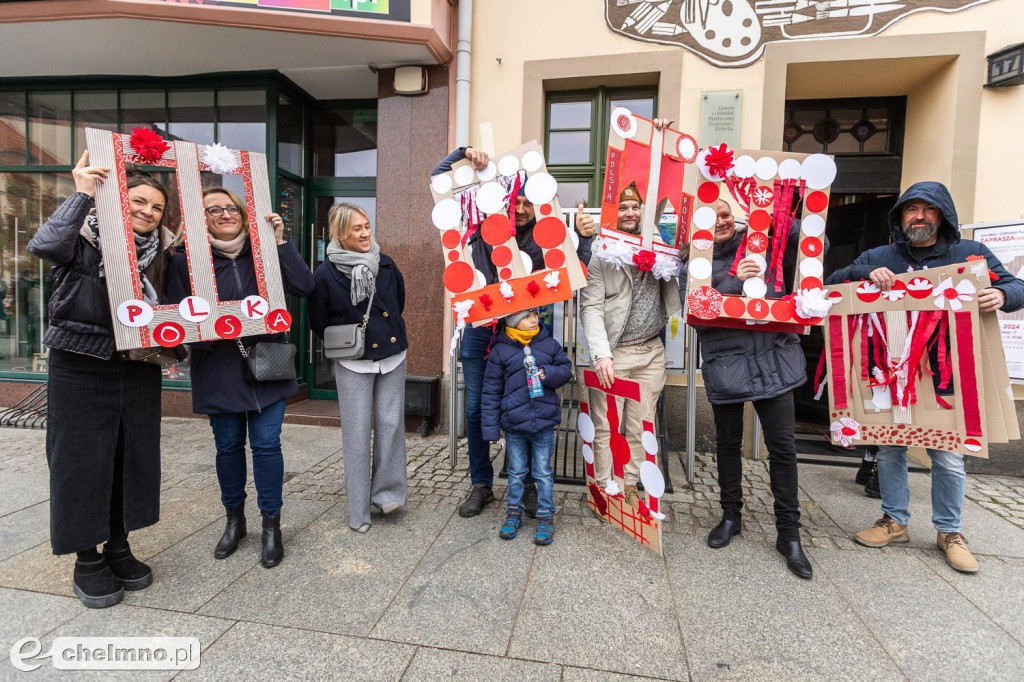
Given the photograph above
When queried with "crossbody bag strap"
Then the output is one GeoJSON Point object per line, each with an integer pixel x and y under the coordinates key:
{"type": "Point", "coordinates": [369, 306]}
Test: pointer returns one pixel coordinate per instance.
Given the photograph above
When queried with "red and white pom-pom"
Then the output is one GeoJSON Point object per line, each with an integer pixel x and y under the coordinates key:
{"type": "Point", "coordinates": [845, 431]}
{"type": "Point", "coordinates": [956, 296]}
{"type": "Point", "coordinates": [506, 291]}
{"type": "Point", "coordinates": [147, 145]}
{"type": "Point", "coordinates": [220, 159]}
{"type": "Point", "coordinates": [461, 309]}
{"type": "Point", "coordinates": [552, 279]}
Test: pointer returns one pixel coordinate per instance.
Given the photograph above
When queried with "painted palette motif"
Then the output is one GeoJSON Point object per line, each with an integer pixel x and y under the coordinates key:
{"type": "Point", "coordinates": [763, 186]}
{"type": "Point", "coordinates": [918, 365]}
{"type": "Point", "coordinates": [467, 202]}
{"type": "Point", "coordinates": [202, 316]}
{"type": "Point", "coordinates": [606, 498]}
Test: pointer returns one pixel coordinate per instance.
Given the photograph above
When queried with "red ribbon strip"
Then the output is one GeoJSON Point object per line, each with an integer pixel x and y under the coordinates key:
{"type": "Point", "coordinates": [968, 373]}
{"type": "Point", "coordinates": [835, 344]}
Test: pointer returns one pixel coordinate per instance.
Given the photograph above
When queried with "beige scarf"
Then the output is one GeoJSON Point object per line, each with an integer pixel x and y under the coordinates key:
{"type": "Point", "coordinates": [230, 248]}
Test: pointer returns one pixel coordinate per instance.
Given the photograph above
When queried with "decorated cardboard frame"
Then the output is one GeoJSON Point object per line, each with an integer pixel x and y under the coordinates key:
{"type": "Point", "coordinates": [764, 185]}
{"type": "Point", "coordinates": [655, 163]}
{"type": "Point", "coordinates": [467, 201]}
{"type": "Point", "coordinates": [202, 316]}
{"type": "Point", "coordinates": [606, 498]}
{"type": "Point", "coordinates": [879, 343]}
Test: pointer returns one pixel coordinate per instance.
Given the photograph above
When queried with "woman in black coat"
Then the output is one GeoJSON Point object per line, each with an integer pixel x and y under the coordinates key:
{"type": "Point", "coordinates": [103, 409]}
{"type": "Point", "coordinates": [219, 386]}
{"type": "Point", "coordinates": [373, 386]}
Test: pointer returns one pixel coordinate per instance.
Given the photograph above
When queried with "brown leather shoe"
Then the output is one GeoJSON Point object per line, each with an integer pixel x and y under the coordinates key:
{"type": "Point", "coordinates": [884, 532]}
{"type": "Point", "coordinates": [632, 496]}
{"type": "Point", "coordinates": [957, 554]}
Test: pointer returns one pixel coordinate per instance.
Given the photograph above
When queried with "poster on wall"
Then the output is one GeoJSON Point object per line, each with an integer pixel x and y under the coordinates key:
{"type": "Point", "coordinates": [1006, 241]}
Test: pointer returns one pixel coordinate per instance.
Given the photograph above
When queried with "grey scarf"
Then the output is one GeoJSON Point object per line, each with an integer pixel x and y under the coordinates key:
{"type": "Point", "coordinates": [147, 246]}
{"type": "Point", "coordinates": [361, 268]}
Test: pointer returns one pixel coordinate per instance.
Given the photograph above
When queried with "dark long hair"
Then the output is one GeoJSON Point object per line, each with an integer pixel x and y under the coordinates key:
{"type": "Point", "coordinates": [156, 273]}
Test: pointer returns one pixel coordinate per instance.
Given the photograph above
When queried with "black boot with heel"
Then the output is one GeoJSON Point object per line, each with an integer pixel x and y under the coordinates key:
{"type": "Point", "coordinates": [273, 546]}
{"type": "Point", "coordinates": [234, 530]}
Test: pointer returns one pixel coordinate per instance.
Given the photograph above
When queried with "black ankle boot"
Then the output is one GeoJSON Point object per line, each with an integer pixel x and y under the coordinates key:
{"type": "Point", "coordinates": [273, 547]}
{"type": "Point", "coordinates": [134, 574]}
{"type": "Point", "coordinates": [864, 472]}
{"type": "Point", "coordinates": [796, 561]}
{"type": "Point", "coordinates": [872, 489]}
{"type": "Point", "coordinates": [234, 530]}
{"type": "Point", "coordinates": [722, 534]}
{"type": "Point", "coordinates": [96, 585]}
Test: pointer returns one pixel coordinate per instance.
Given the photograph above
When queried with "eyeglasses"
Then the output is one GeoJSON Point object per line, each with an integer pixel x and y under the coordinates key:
{"type": "Point", "coordinates": [216, 211]}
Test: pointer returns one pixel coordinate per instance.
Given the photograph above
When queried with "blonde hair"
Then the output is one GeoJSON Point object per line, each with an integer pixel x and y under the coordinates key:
{"type": "Point", "coordinates": [234, 199]}
{"type": "Point", "coordinates": [340, 217]}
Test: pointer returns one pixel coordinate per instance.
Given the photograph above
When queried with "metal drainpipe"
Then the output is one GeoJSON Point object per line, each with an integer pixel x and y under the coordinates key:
{"type": "Point", "coordinates": [462, 80]}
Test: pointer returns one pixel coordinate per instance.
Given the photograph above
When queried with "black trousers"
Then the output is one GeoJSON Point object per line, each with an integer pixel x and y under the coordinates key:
{"type": "Point", "coordinates": [777, 423]}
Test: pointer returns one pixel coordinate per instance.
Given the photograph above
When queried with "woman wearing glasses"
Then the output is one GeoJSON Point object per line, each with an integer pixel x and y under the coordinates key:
{"type": "Point", "coordinates": [219, 387]}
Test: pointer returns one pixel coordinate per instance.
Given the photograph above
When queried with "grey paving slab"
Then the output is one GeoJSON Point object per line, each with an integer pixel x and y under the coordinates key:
{"type": "Point", "coordinates": [30, 614]}
{"type": "Point", "coordinates": [187, 575]}
{"type": "Point", "coordinates": [928, 628]}
{"type": "Point", "coordinates": [251, 651]}
{"type": "Point", "coordinates": [471, 572]}
{"type": "Point", "coordinates": [305, 446]}
{"type": "Point", "coordinates": [997, 589]}
{"type": "Point", "coordinates": [596, 599]}
{"type": "Point", "coordinates": [744, 616]}
{"type": "Point", "coordinates": [39, 570]}
{"type": "Point", "coordinates": [439, 664]}
{"type": "Point", "coordinates": [834, 490]}
{"type": "Point", "coordinates": [24, 528]}
{"type": "Point", "coordinates": [570, 674]}
{"type": "Point", "coordinates": [19, 490]}
{"type": "Point", "coordinates": [334, 579]}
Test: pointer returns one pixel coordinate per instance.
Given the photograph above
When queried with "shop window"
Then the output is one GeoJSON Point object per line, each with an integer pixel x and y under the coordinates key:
{"type": "Point", "coordinates": [344, 140]}
{"type": "Point", "coordinates": [143, 109]}
{"type": "Point", "coordinates": [290, 139]}
{"type": "Point", "coordinates": [13, 134]}
{"type": "Point", "coordinates": [192, 115]}
{"type": "Point", "coordinates": [93, 109]}
{"type": "Point", "coordinates": [576, 136]}
{"type": "Point", "coordinates": [242, 119]}
{"type": "Point", "coordinates": [49, 128]}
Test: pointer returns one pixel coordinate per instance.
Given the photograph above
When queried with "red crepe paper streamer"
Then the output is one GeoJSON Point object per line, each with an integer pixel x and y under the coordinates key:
{"type": "Point", "coordinates": [533, 288]}
{"type": "Point", "coordinates": [487, 302]}
{"type": "Point", "coordinates": [645, 511]}
{"type": "Point", "coordinates": [835, 343]}
{"type": "Point", "coordinates": [740, 189]}
{"type": "Point", "coordinates": [968, 373]}
{"type": "Point", "coordinates": [644, 260]}
{"type": "Point", "coordinates": [719, 160]}
{"type": "Point", "coordinates": [147, 145]}
{"type": "Point", "coordinates": [741, 253]}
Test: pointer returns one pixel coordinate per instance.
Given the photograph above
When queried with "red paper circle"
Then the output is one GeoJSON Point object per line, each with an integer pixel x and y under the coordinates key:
{"type": "Point", "coordinates": [451, 239]}
{"type": "Point", "coordinates": [554, 259]}
{"type": "Point", "coordinates": [760, 220]}
{"type": "Point", "coordinates": [458, 277]}
{"type": "Point", "coordinates": [549, 233]}
{"type": "Point", "coordinates": [704, 303]}
{"type": "Point", "coordinates": [279, 320]}
{"type": "Point", "coordinates": [782, 310]}
{"type": "Point", "coordinates": [501, 256]}
{"type": "Point", "coordinates": [708, 192]}
{"type": "Point", "coordinates": [757, 242]}
{"type": "Point", "coordinates": [496, 229]}
{"type": "Point", "coordinates": [169, 334]}
{"type": "Point", "coordinates": [545, 209]}
{"type": "Point", "coordinates": [453, 256]}
{"type": "Point", "coordinates": [505, 273]}
{"type": "Point", "coordinates": [700, 237]}
{"type": "Point", "coordinates": [733, 306]}
{"type": "Point", "coordinates": [817, 201]}
{"type": "Point", "coordinates": [758, 308]}
{"type": "Point", "coordinates": [228, 327]}
{"type": "Point", "coordinates": [811, 246]}
{"type": "Point", "coordinates": [810, 283]}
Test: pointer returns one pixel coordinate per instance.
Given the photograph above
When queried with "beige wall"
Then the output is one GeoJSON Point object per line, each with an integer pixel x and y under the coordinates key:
{"type": "Point", "coordinates": [957, 131]}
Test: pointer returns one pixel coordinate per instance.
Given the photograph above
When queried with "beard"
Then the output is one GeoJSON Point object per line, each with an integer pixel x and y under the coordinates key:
{"type": "Point", "coordinates": [924, 233]}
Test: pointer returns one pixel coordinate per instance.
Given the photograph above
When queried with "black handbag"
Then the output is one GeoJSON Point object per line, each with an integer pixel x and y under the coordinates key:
{"type": "Point", "coordinates": [267, 361]}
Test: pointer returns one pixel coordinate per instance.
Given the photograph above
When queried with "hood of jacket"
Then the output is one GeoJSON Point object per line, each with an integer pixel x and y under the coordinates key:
{"type": "Point", "coordinates": [936, 194]}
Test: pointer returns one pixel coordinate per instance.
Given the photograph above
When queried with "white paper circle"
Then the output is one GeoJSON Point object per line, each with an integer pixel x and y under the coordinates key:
{"type": "Point", "coordinates": [744, 167]}
{"type": "Point", "coordinates": [541, 188]}
{"type": "Point", "coordinates": [686, 148]}
{"type": "Point", "coordinates": [532, 161]}
{"type": "Point", "coordinates": [813, 226]}
{"type": "Point", "coordinates": [527, 261]}
{"type": "Point", "coordinates": [811, 267]}
{"type": "Point", "coordinates": [254, 307]}
{"type": "Point", "coordinates": [650, 442]}
{"type": "Point", "coordinates": [762, 264]}
{"type": "Point", "coordinates": [766, 168]}
{"type": "Point", "coordinates": [819, 171]}
{"type": "Point", "coordinates": [654, 482]}
{"type": "Point", "coordinates": [619, 112]}
{"type": "Point", "coordinates": [447, 214]}
{"type": "Point", "coordinates": [585, 425]}
{"type": "Point", "coordinates": [488, 173]}
{"type": "Point", "coordinates": [508, 165]}
{"type": "Point", "coordinates": [490, 198]}
{"type": "Point", "coordinates": [700, 268]}
{"type": "Point", "coordinates": [755, 288]}
{"type": "Point", "coordinates": [441, 184]}
{"type": "Point", "coordinates": [481, 280]}
{"type": "Point", "coordinates": [194, 308]}
{"type": "Point", "coordinates": [588, 454]}
{"type": "Point", "coordinates": [134, 313]}
{"type": "Point", "coordinates": [789, 169]}
{"type": "Point", "coordinates": [464, 175]}
{"type": "Point", "coordinates": [704, 218]}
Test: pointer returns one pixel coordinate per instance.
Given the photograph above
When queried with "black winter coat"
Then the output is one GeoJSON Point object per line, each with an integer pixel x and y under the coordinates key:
{"type": "Point", "coordinates": [218, 368]}
{"type": "Point", "coordinates": [331, 304]}
{"type": "Point", "coordinates": [506, 399]}
{"type": "Point", "coordinates": [739, 365]}
{"type": "Point", "coordinates": [949, 248]}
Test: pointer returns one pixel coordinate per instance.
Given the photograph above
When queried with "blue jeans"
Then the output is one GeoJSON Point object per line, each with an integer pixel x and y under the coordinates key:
{"type": "Point", "coordinates": [531, 450]}
{"type": "Point", "coordinates": [264, 429]}
{"type": "Point", "coordinates": [473, 352]}
{"type": "Point", "coordinates": [948, 481]}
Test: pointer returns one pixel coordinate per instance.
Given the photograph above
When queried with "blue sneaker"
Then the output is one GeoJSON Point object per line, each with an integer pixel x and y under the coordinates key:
{"type": "Point", "coordinates": [513, 522]}
{"type": "Point", "coordinates": [545, 534]}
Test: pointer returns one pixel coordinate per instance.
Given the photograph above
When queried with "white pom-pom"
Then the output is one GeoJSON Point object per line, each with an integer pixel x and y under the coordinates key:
{"type": "Point", "coordinates": [506, 291]}
{"type": "Point", "coordinates": [666, 267]}
{"type": "Point", "coordinates": [219, 159]}
{"type": "Point", "coordinates": [552, 279]}
{"type": "Point", "coordinates": [812, 303]}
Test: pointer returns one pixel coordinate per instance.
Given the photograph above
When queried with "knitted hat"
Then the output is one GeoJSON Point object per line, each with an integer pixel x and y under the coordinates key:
{"type": "Point", "coordinates": [630, 194]}
{"type": "Point", "coordinates": [515, 318]}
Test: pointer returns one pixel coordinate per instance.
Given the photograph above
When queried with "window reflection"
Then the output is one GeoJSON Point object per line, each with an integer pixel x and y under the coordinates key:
{"type": "Point", "coordinates": [49, 128]}
{"type": "Point", "coordinates": [93, 109]}
{"type": "Point", "coordinates": [242, 119]}
{"type": "Point", "coordinates": [345, 142]}
{"type": "Point", "coordinates": [143, 109]}
{"type": "Point", "coordinates": [13, 146]}
{"type": "Point", "coordinates": [192, 115]}
{"type": "Point", "coordinates": [289, 135]}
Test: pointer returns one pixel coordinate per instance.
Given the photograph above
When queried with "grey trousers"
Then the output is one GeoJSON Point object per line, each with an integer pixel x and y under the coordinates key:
{"type": "Point", "coordinates": [377, 399]}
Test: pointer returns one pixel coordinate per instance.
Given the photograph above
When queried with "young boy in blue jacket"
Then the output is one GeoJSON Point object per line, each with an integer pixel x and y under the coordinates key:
{"type": "Point", "coordinates": [529, 422]}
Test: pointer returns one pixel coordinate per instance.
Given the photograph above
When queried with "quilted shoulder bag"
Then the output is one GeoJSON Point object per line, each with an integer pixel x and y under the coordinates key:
{"type": "Point", "coordinates": [347, 341]}
{"type": "Point", "coordinates": [268, 361]}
